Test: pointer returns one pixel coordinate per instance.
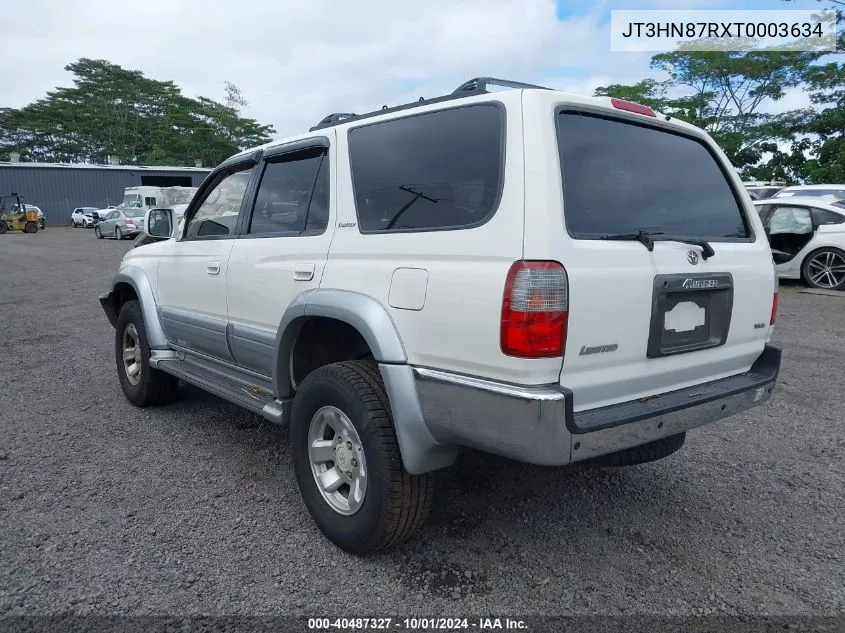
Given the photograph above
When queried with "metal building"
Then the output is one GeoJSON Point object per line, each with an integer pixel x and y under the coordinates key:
{"type": "Point", "coordinates": [59, 188]}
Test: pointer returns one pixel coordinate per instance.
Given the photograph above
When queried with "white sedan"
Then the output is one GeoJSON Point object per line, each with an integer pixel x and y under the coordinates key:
{"type": "Point", "coordinates": [807, 237]}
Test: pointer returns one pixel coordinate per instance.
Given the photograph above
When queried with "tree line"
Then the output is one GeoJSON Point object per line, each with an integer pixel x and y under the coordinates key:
{"type": "Point", "coordinates": [730, 95]}
{"type": "Point", "coordinates": [111, 112]}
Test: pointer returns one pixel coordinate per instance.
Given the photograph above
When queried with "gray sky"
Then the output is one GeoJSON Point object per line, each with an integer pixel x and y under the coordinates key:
{"type": "Point", "coordinates": [296, 61]}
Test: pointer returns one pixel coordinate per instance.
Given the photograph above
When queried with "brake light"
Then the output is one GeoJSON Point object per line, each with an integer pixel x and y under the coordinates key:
{"type": "Point", "coordinates": [774, 308]}
{"type": "Point", "coordinates": [535, 310]}
{"type": "Point", "coordinates": [775, 296]}
{"type": "Point", "coordinates": [621, 104]}
{"type": "Point", "coordinates": [128, 221]}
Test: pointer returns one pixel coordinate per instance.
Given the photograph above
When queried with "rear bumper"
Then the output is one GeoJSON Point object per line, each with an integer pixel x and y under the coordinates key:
{"type": "Point", "coordinates": [537, 425]}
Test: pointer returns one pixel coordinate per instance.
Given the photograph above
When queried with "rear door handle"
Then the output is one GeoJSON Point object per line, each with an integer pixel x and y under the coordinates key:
{"type": "Point", "coordinates": [212, 268]}
{"type": "Point", "coordinates": [303, 272]}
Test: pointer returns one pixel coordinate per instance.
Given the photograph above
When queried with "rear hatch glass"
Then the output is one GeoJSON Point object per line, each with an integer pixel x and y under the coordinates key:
{"type": "Point", "coordinates": [623, 178]}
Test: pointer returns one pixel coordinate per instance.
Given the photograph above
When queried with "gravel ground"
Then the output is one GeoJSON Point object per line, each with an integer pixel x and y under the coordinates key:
{"type": "Point", "coordinates": [192, 508]}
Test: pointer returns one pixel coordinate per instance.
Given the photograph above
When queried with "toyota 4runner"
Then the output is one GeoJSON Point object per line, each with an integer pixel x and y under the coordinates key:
{"type": "Point", "coordinates": [535, 274]}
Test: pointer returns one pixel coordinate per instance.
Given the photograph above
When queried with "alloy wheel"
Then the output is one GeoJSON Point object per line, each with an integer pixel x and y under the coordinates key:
{"type": "Point", "coordinates": [826, 269]}
{"type": "Point", "coordinates": [337, 460]}
{"type": "Point", "coordinates": [132, 354]}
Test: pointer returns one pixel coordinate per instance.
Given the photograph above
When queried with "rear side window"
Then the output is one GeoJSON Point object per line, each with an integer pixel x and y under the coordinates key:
{"type": "Point", "coordinates": [621, 178]}
{"type": "Point", "coordinates": [434, 171]}
{"type": "Point", "coordinates": [823, 216]}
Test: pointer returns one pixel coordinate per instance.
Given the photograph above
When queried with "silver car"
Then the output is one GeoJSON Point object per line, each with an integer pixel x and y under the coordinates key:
{"type": "Point", "coordinates": [121, 224]}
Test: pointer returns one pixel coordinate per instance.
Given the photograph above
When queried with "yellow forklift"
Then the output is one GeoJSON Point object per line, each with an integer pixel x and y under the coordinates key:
{"type": "Point", "coordinates": [14, 216]}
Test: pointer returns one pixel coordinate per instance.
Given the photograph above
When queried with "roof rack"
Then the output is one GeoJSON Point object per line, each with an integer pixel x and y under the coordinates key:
{"type": "Point", "coordinates": [475, 86]}
{"type": "Point", "coordinates": [479, 84]}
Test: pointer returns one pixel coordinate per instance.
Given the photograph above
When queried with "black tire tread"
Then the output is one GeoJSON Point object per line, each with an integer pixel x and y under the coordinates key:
{"type": "Point", "coordinates": [642, 454]}
{"type": "Point", "coordinates": [411, 496]}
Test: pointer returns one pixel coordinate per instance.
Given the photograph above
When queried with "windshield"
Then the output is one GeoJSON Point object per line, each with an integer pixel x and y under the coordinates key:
{"type": "Point", "coordinates": [130, 200]}
{"type": "Point", "coordinates": [621, 178]}
{"type": "Point", "coordinates": [134, 213]}
{"type": "Point", "coordinates": [839, 193]}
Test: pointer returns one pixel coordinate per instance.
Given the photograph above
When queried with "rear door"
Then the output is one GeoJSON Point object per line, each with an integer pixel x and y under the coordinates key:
{"type": "Point", "coordinates": [647, 318]}
{"type": "Point", "coordinates": [282, 249]}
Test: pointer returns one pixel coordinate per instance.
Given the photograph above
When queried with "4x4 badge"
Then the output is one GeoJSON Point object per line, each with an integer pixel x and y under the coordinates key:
{"type": "Point", "coordinates": [692, 257]}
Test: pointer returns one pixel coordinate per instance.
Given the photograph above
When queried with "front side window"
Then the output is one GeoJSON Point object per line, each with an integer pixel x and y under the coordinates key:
{"type": "Point", "coordinates": [218, 212]}
{"type": "Point", "coordinates": [150, 202]}
{"type": "Point", "coordinates": [620, 178]}
{"type": "Point", "coordinates": [440, 170]}
{"type": "Point", "coordinates": [293, 195]}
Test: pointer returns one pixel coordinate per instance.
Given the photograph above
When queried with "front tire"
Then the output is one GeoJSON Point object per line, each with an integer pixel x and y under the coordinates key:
{"type": "Point", "coordinates": [347, 461]}
{"type": "Point", "coordinates": [98, 233]}
{"type": "Point", "coordinates": [142, 385]}
{"type": "Point", "coordinates": [825, 269]}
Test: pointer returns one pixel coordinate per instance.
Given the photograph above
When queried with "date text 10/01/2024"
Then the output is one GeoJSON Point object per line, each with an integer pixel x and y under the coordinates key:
{"type": "Point", "coordinates": [415, 624]}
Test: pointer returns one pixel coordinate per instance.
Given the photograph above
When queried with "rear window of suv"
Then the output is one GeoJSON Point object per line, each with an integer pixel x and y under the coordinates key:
{"type": "Point", "coordinates": [622, 178]}
{"type": "Point", "coordinates": [440, 170]}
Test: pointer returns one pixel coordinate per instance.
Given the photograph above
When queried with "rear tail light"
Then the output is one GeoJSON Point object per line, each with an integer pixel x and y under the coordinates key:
{"type": "Point", "coordinates": [535, 310]}
{"type": "Point", "coordinates": [621, 104]}
{"type": "Point", "coordinates": [128, 221]}
{"type": "Point", "coordinates": [775, 300]}
{"type": "Point", "coordinates": [774, 308]}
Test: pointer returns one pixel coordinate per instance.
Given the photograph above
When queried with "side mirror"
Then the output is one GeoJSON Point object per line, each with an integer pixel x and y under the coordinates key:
{"type": "Point", "coordinates": [159, 223]}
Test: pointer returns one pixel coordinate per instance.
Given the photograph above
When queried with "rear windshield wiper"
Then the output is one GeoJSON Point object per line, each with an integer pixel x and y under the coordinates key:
{"type": "Point", "coordinates": [706, 250]}
{"type": "Point", "coordinates": [647, 239]}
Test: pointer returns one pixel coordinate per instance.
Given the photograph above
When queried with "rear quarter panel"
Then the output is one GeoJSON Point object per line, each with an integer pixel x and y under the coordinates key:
{"type": "Point", "coordinates": [452, 320]}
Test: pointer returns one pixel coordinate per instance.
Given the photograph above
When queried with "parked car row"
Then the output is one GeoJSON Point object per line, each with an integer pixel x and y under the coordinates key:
{"type": "Point", "coordinates": [763, 190]}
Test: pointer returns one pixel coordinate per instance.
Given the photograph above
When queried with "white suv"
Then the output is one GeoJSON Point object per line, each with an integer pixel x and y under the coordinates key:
{"type": "Point", "coordinates": [527, 272]}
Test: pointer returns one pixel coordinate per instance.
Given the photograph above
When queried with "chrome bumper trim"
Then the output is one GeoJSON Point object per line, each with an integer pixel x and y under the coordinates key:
{"type": "Point", "coordinates": [537, 424]}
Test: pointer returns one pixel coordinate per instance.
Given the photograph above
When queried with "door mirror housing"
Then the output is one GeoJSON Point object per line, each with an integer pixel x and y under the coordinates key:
{"type": "Point", "coordinates": [158, 223]}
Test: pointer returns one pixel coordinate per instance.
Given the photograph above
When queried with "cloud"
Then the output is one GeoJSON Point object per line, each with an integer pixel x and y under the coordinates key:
{"type": "Point", "coordinates": [297, 61]}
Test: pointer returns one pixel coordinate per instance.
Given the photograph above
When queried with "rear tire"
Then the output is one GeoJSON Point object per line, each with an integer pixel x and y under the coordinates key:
{"type": "Point", "coordinates": [642, 454]}
{"type": "Point", "coordinates": [394, 504]}
{"type": "Point", "coordinates": [30, 227]}
{"type": "Point", "coordinates": [145, 386]}
{"type": "Point", "coordinates": [118, 234]}
{"type": "Point", "coordinates": [816, 263]}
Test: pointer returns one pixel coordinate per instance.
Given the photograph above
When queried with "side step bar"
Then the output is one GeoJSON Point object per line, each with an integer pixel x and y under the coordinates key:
{"type": "Point", "coordinates": [243, 394]}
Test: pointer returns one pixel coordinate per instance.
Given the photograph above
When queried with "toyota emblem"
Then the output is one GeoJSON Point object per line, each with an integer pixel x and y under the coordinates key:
{"type": "Point", "coordinates": [692, 257]}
